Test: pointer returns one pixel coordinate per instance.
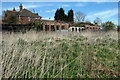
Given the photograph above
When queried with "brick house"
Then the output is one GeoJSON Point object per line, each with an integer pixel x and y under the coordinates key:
{"type": "Point", "coordinates": [24, 16]}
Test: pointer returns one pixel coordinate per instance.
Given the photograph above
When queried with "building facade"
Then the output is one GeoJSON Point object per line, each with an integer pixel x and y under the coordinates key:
{"type": "Point", "coordinates": [52, 25]}
{"type": "Point", "coordinates": [86, 27]}
{"type": "Point", "coordinates": [24, 16]}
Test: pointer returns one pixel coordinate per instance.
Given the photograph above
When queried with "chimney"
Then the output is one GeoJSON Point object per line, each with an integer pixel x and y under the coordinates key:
{"type": "Point", "coordinates": [20, 7]}
{"type": "Point", "coordinates": [14, 9]}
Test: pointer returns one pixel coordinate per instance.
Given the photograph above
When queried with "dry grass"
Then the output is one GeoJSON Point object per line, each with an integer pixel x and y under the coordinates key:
{"type": "Point", "coordinates": [59, 55]}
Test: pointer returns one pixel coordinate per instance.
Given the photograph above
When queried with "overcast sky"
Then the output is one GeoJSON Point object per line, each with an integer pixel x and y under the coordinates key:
{"type": "Point", "coordinates": [106, 11]}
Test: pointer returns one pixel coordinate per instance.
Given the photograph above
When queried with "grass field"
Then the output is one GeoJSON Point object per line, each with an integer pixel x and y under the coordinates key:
{"type": "Point", "coordinates": [60, 55]}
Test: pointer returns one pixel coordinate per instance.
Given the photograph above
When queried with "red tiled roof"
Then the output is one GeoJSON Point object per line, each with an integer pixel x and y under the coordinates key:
{"type": "Point", "coordinates": [44, 20]}
{"type": "Point", "coordinates": [23, 12]}
{"type": "Point", "coordinates": [12, 11]}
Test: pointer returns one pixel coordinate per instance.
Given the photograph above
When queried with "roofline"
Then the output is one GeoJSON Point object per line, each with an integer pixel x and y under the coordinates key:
{"type": "Point", "coordinates": [20, 11]}
{"type": "Point", "coordinates": [28, 16]}
{"type": "Point", "coordinates": [12, 11]}
{"type": "Point", "coordinates": [47, 20]}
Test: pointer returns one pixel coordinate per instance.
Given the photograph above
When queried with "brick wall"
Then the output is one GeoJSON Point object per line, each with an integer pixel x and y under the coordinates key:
{"type": "Point", "coordinates": [25, 20]}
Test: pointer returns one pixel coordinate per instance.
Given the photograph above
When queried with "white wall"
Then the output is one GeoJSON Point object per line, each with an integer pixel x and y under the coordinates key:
{"type": "Point", "coordinates": [70, 29]}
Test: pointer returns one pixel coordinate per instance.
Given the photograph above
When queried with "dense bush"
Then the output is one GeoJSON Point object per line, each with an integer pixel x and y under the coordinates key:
{"type": "Point", "coordinates": [108, 25]}
{"type": "Point", "coordinates": [11, 19]}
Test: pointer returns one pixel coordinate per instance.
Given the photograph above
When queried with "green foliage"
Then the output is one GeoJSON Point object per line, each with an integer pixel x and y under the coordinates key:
{"type": "Point", "coordinates": [79, 24]}
{"type": "Point", "coordinates": [11, 19]}
{"type": "Point", "coordinates": [70, 16]}
{"type": "Point", "coordinates": [108, 25]}
{"type": "Point", "coordinates": [88, 22]}
{"type": "Point", "coordinates": [38, 26]}
{"type": "Point", "coordinates": [61, 16]}
{"type": "Point", "coordinates": [57, 15]}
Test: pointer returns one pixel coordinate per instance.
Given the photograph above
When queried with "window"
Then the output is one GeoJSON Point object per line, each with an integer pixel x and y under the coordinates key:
{"type": "Point", "coordinates": [76, 29]}
{"type": "Point", "coordinates": [72, 29]}
{"type": "Point", "coordinates": [57, 27]}
{"type": "Point", "coordinates": [52, 28]}
{"type": "Point", "coordinates": [63, 27]}
{"type": "Point", "coordinates": [79, 29]}
{"type": "Point", "coordinates": [36, 19]}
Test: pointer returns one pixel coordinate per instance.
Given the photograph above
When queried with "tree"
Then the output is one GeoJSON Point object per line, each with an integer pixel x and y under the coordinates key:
{"type": "Point", "coordinates": [11, 19]}
{"type": "Point", "coordinates": [70, 16]}
{"type": "Point", "coordinates": [79, 16]}
{"type": "Point", "coordinates": [65, 18]}
{"type": "Point", "coordinates": [60, 15]}
{"type": "Point", "coordinates": [39, 26]}
{"type": "Point", "coordinates": [61, 12]}
{"type": "Point", "coordinates": [14, 9]}
{"type": "Point", "coordinates": [88, 22]}
{"type": "Point", "coordinates": [56, 15]}
{"type": "Point", "coordinates": [3, 16]}
{"type": "Point", "coordinates": [97, 21]}
{"type": "Point", "coordinates": [108, 25]}
{"type": "Point", "coordinates": [79, 24]}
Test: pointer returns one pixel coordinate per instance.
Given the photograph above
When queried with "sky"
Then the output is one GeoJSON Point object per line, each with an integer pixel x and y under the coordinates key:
{"type": "Point", "coordinates": [60, 0]}
{"type": "Point", "coordinates": [106, 11]}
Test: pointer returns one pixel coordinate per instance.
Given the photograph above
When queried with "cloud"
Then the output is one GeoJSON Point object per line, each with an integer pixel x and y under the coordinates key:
{"type": "Point", "coordinates": [65, 5]}
{"type": "Point", "coordinates": [76, 5]}
{"type": "Point", "coordinates": [30, 6]}
{"type": "Point", "coordinates": [50, 11]}
{"type": "Point", "coordinates": [105, 14]}
{"type": "Point", "coordinates": [79, 5]}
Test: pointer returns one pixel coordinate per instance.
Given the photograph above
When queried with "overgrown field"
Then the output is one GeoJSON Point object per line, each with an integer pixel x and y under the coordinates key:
{"type": "Point", "coordinates": [60, 55]}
